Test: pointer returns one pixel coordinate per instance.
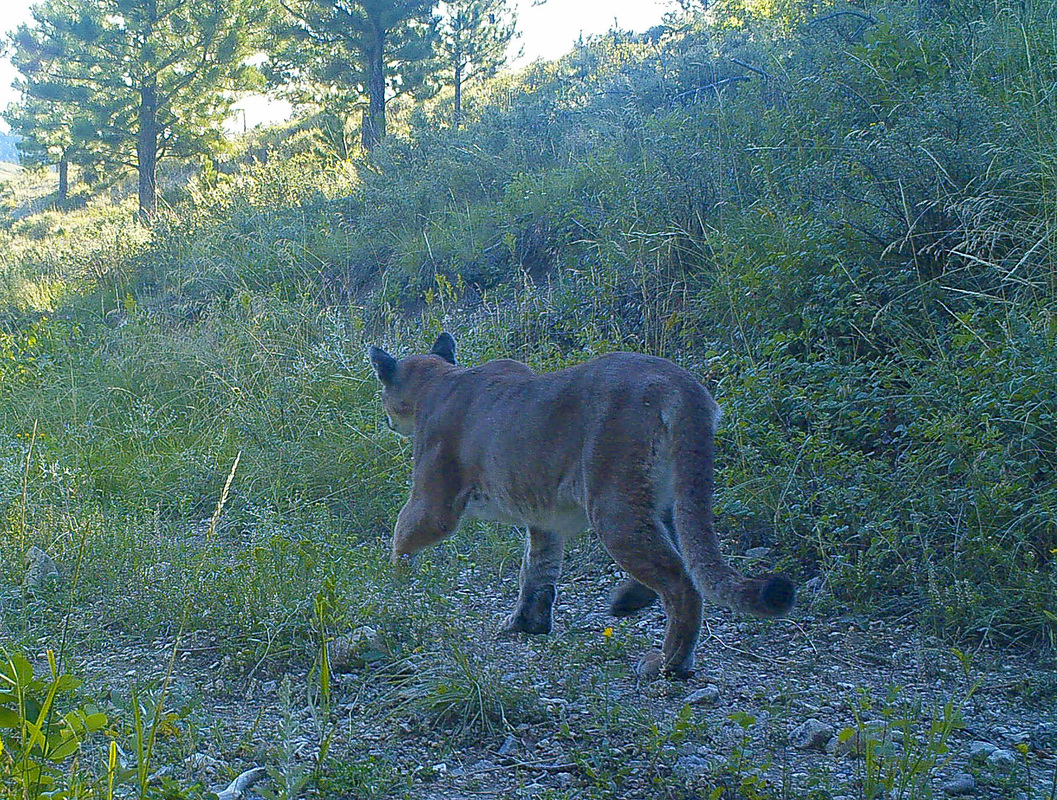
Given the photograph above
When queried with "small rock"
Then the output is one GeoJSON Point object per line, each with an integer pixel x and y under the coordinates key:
{"type": "Point", "coordinates": [811, 735]}
{"type": "Point", "coordinates": [164, 772]}
{"type": "Point", "coordinates": [508, 745]}
{"type": "Point", "coordinates": [236, 790]}
{"type": "Point", "coordinates": [979, 751]}
{"type": "Point", "coordinates": [1002, 759]}
{"type": "Point", "coordinates": [657, 689]}
{"type": "Point", "coordinates": [441, 768]}
{"type": "Point", "coordinates": [116, 318]}
{"type": "Point", "coordinates": [814, 585]}
{"type": "Point", "coordinates": [269, 687]}
{"type": "Point", "coordinates": [691, 765]}
{"type": "Point", "coordinates": [356, 650]}
{"type": "Point", "coordinates": [1045, 736]}
{"type": "Point", "coordinates": [205, 762]}
{"type": "Point", "coordinates": [855, 745]}
{"type": "Point", "coordinates": [649, 666]}
{"type": "Point", "coordinates": [757, 554]}
{"type": "Point", "coordinates": [159, 571]}
{"type": "Point", "coordinates": [707, 696]}
{"type": "Point", "coordinates": [563, 779]}
{"type": "Point", "coordinates": [41, 571]}
{"type": "Point", "coordinates": [962, 783]}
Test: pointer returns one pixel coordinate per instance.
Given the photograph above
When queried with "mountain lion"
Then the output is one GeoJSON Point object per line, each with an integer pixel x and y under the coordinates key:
{"type": "Point", "coordinates": [622, 444]}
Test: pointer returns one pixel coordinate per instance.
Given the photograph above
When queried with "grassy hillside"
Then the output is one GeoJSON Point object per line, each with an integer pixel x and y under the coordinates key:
{"type": "Point", "coordinates": [842, 223]}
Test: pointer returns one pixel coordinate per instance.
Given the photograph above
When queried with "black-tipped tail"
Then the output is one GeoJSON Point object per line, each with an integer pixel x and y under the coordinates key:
{"type": "Point", "coordinates": [775, 596]}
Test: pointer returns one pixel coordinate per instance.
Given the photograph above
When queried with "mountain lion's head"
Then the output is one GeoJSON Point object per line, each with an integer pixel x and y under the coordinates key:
{"type": "Point", "coordinates": [402, 381]}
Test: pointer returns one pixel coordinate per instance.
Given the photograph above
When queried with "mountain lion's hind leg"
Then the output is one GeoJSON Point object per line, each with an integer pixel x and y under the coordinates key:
{"type": "Point", "coordinates": [630, 598]}
{"type": "Point", "coordinates": [645, 551]}
{"type": "Point", "coordinates": [541, 567]}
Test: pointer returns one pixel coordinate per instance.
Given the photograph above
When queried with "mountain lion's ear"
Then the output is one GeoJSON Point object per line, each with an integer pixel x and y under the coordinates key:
{"type": "Point", "coordinates": [384, 365]}
{"type": "Point", "coordinates": [444, 347]}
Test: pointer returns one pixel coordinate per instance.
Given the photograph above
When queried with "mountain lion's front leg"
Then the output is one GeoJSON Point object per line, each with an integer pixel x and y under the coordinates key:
{"type": "Point", "coordinates": [420, 524]}
{"type": "Point", "coordinates": [432, 512]}
{"type": "Point", "coordinates": [541, 567]}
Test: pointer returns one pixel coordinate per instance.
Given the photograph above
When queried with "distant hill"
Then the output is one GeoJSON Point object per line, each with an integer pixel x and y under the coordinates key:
{"type": "Point", "coordinates": [8, 150]}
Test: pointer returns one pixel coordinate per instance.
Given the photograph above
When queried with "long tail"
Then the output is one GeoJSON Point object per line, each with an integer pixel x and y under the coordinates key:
{"type": "Point", "coordinates": [692, 427]}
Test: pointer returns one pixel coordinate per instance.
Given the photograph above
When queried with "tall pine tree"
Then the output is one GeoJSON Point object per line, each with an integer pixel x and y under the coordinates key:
{"type": "Point", "coordinates": [373, 49]}
{"type": "Point", "coordinates": [146, 78]}
{"type": "Point", "coordinates": [474, 36]}
{"type": "Point", "coordinates": [45, 133]}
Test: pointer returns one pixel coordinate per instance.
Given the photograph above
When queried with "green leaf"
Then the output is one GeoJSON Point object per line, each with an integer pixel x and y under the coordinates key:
{"type": "Point", "coordinates": [64, 750]}
{"type": "Point", "coordinates": [67, 683]}
{"type": "Point", "coordinates": [742, 718]}
{"type": "Point", "coordinates": [18, 670]}
{"type": "Point", "coordinates": [95, 722]}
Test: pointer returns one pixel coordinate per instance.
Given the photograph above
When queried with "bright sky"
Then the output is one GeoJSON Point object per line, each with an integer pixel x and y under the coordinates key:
{"type": "Point", "coordinates": [547, 31]}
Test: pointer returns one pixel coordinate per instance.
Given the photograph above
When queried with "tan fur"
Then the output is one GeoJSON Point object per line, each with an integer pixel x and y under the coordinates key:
{"type": "Point", "coordinates": [622, 444]}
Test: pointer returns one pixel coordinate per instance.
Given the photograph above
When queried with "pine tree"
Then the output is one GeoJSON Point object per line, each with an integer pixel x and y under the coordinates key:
{"type": "Point", "coordinates": [474, 36]}
{"type": "Point", "coordinates": [45, 132]}
{"type": "Point", "coordinates": [373, 49]}
{"type": "Point", "coordinates": [145, 79]}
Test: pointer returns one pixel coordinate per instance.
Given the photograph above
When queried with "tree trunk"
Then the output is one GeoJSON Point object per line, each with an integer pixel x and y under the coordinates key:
{"type": "Point", "coordinates": [458, 94]}
{"type": "Point", "coordinates": [374, 117]}
{"type": "Point", "coordinates": [64, 179]}
{"type": "Point", "coordinates": [147, 149]}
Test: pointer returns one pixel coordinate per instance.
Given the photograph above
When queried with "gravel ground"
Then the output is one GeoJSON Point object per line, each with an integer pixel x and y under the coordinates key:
{"type": "Point", "coordinates": [822, 705]}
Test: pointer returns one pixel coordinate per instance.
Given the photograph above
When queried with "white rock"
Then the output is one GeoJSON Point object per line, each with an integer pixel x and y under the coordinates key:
{"type": "Point", "coordinates": [707, 696]}
{"type": "Point", "coordinates": [204, 761]}
{"type": "Point", "coordinates": [649, 666]}
{"type": "Point", "coordinates": [811, 735]}
{"type": "Point", "coordinates": [979, 751]}
{"type": "Point", "coordinates": [508, 745]}
{"type": "Point", "coordinates": [237, 788]}
{"type": "Point", "coordinates": [41, 571]}
{"type": "Point", "coordinates": [691, 765]}
{"type": "Point", "coordinates": [1002, 759]}
{"type": "Point", "coordinates": [962, 783]}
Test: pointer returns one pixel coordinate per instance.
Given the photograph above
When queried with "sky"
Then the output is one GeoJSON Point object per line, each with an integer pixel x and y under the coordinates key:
{"type": "Point", "coordinates": [547, 31]}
